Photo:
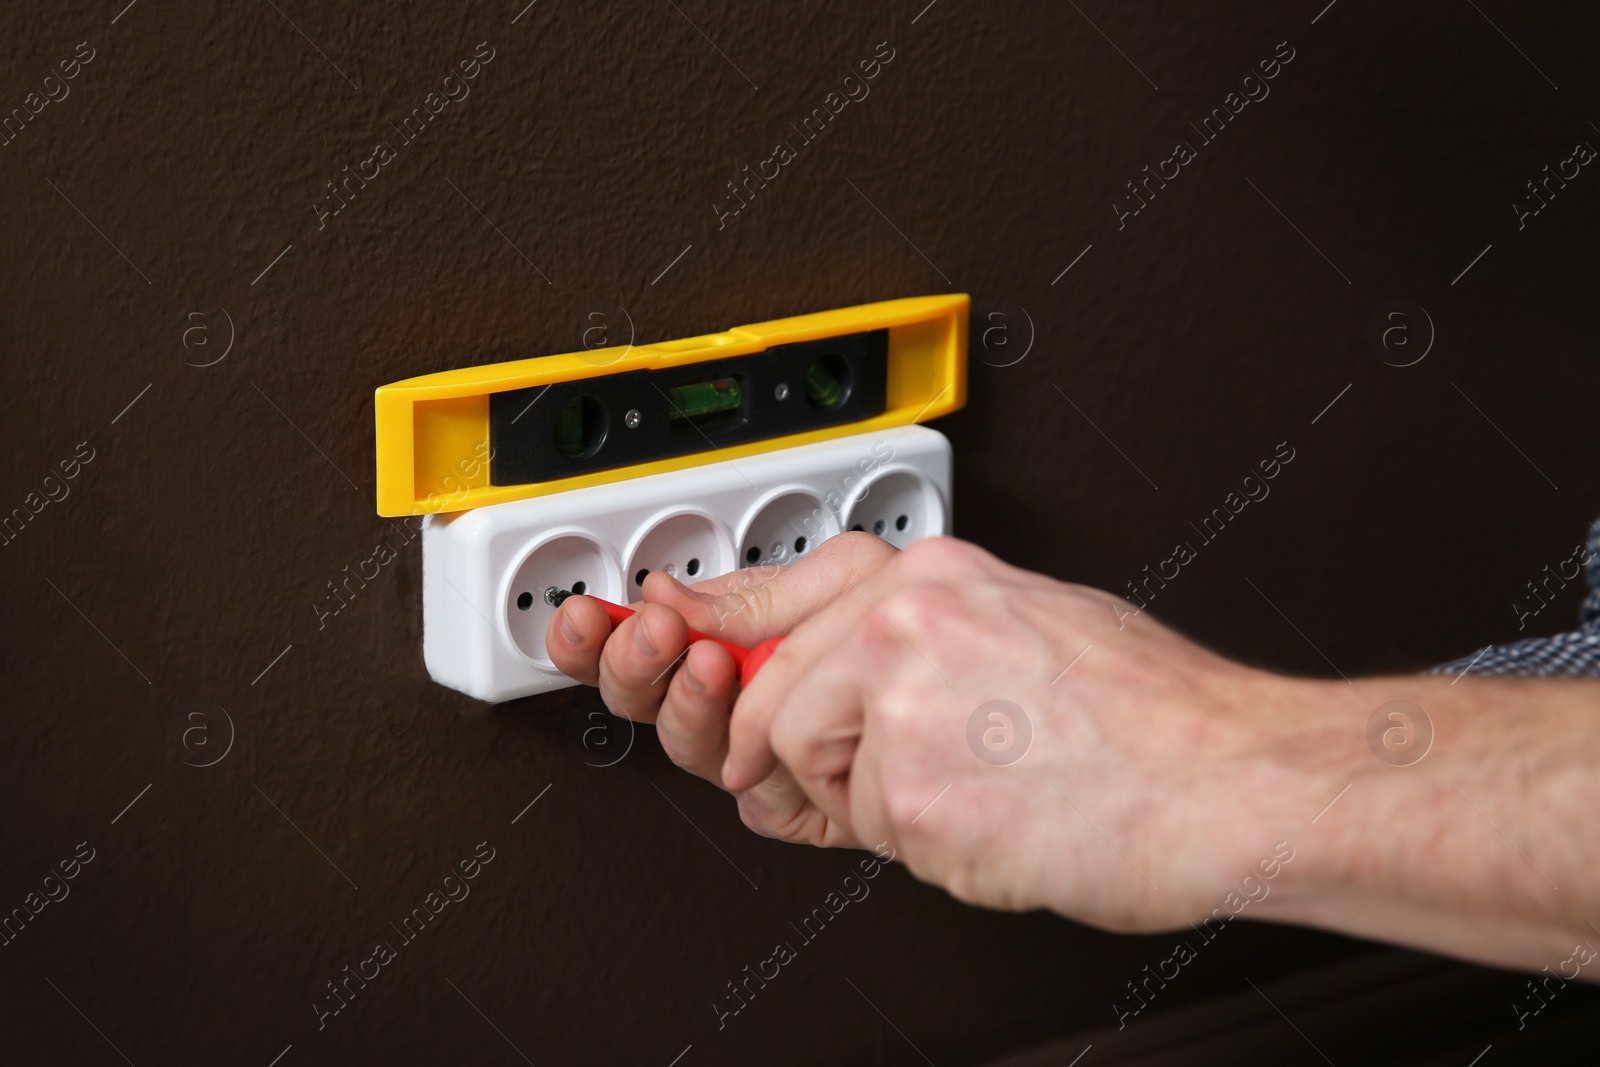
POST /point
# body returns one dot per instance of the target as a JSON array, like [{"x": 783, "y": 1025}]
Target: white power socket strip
[{"x": 485, "y": 571}]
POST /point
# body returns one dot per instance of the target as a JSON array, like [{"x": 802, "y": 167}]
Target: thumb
[{"x": 752, "y": 604}]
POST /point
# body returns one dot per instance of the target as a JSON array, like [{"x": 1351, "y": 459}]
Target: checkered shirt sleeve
[{"x": 1569, "y": 655}]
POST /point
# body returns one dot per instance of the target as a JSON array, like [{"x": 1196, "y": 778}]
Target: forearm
[{"x": 1485, "y": 847}]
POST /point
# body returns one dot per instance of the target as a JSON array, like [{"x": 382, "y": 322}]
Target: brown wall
[{"x": 195, "y": 545}]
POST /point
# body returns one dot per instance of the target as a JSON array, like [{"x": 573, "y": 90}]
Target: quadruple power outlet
[{"x": 485, "y": 572}]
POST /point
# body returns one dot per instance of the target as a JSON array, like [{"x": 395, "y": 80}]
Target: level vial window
[
  {"x": 700, "y": 400},
  {"x": 580, "y": 427},
  {"x": 827, "y": 382}
]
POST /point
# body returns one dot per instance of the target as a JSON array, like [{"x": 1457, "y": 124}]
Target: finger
[
  {"x": 869, "y": 815},
  {"x": 693, "y": 721},
  {"x": 637, "y": 659},
  {"x": 817, "y": 728},
  {"x": 937, "y": 560},
  {"x": 575, "y": 636},
  {"x": 755, "y": 603},
  {"x": 778, "y": 807},
  {"x": 750, "y": 756},
  {"x": 819, "y": 723}
]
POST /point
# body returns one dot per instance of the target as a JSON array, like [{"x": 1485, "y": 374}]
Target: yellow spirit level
[{"x": 465, "y": 438}]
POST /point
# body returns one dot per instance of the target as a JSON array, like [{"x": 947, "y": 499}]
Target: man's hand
[
  {"x": 857, "y": 730},
  {"x": 1153, "y": 783},
  {"x": 1144, "y": 767},
  {"x": 644, "y": 675}
]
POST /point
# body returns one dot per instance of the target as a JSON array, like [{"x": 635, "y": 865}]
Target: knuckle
[
  {"x": 626, "y": 703},
  {"x": 858, "y": 545},
  {"x": 788, "y": 744},
  {"x": 902, "y": 804},
  {"x": 676, "y": 741},
  {"x": 619, "y": 673},
  {"x": 621, "y": 707},
  {"x": 754, "y": 600},
  {"x": 961, "y": 882},
  {"x": 750, "y": 602},
  {"x": 941, "y": 556},
  {"x": 675, "y": 753},
  {"x": 757, "y": 817},
  {"x": 923, "y": 608},
  {"x": 799, "y": 749},
  {"x": 900, "y": 723},
  {"x": 876, "y": 636},
  {"x": 629, "y": 699},
  {"x": 898, "y": 709},
  {"x": 813, "y": 746}
]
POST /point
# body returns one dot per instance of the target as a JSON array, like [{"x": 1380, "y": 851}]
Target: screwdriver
[{"x": 748, "y": 660}]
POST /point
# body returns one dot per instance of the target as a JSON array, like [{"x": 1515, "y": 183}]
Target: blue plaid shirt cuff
[{"x": 1569, "y": 655}]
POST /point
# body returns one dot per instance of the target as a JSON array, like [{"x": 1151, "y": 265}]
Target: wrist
[
  {"x": 1272, "y": 752},
  {"x": 1307, "y": 750},
  {"x": 1422, "y": 812}
]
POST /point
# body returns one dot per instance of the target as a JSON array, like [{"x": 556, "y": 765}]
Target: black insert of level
[{"x": 543, "y": 433}]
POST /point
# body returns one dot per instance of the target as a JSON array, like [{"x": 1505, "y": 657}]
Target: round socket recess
[
  {"x": 689, "y": 545},
  {"x": 900, "y": 505},
  {"x": 565, "y": 560},
  {"x": 785, "y": 526}
]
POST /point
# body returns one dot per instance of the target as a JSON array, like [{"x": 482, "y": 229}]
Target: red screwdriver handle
[
  {"x": 758, "y": 656},
  {"x": 749, "y": 660}
]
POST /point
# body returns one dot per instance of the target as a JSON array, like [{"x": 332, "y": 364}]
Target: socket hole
[
  {"x": 552, "y": 567},
  {"x": 684, "y": 545},
  {"x": 898, "y": 506},
  {"x": 580, "y": 427},
  {"x": 857, "y": 526},
  {"x": 785, "y": 526}
]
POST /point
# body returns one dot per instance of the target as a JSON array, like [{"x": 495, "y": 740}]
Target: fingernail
[
  {"x": 691, "y": 680},
  {"x": 569, "y": 631},
  {"x": 641, "y": 638}
]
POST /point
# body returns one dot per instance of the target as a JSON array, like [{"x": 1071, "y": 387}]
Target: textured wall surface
[{"x": 194, "y": 334}]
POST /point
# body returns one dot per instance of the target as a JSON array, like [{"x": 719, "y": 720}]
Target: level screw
[
  {"x": 632, "y": 419},
  {"x": 782, "y": 391}
]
